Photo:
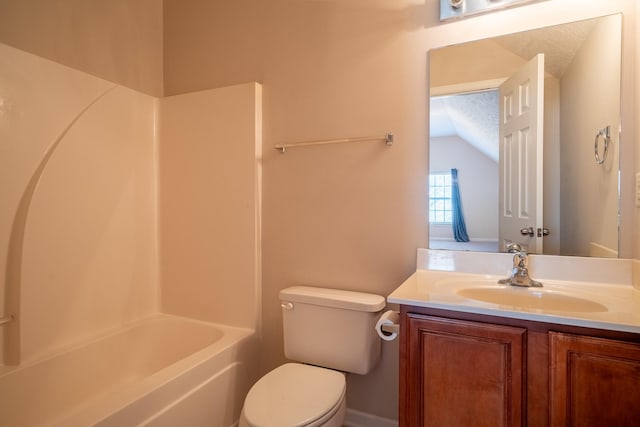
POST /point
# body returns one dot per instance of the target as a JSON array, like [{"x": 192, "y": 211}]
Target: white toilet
[{"x": 331, "y": 331}]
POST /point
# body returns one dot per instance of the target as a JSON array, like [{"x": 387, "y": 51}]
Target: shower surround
[{"x": 118, "y": 206}]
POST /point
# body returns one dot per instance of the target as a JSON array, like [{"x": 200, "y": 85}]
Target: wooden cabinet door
[
  {"x": 594, "y": 381},
  {"x": 462, "y": 373}
]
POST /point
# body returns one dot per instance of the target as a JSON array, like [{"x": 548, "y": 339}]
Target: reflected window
[{"x": 440, "y": 198}]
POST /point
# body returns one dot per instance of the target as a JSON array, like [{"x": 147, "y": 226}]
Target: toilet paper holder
[
  {"x": 391, "y": 329},
  {"x": 388, "y": 325}
]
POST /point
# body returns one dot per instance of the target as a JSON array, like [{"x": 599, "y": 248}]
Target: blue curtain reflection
[{"x": 459, "y": 227}]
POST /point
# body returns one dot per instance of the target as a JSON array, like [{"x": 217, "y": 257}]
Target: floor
[{"x": 464, "y": 246}]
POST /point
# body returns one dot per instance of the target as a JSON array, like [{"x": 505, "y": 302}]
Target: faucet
[{"x": 520, "y": 272}]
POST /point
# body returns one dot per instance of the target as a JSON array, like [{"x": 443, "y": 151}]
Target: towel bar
[
  {"x": 387, "y": 138},
  {"x": 605, "y": 133}
]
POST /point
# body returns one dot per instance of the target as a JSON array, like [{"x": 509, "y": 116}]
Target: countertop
[{"x": 601, "y": 305}]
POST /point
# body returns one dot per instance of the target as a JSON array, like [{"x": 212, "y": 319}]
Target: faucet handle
[{"x": 513, "y": 248}]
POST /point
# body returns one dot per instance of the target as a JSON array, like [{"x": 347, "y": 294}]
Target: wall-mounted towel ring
[{"x": 605, "y": 133}]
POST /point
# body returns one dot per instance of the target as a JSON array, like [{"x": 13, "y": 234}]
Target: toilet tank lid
[{"x": 337, "y": 298}]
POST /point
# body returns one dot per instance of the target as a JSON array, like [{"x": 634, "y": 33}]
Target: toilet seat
[{"x": 295, "y": 395}]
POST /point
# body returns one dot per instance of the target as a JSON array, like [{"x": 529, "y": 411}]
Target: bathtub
[{"x": 160, "y": 371}]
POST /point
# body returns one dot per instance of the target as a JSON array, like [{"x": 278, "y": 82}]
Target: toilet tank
[{"x": 331, "y": 328}]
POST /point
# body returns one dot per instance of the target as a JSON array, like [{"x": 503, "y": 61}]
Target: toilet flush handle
[{"x": 287, "y": 305}]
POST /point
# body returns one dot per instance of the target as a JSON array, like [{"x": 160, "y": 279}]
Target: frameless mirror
[{"x": 529, "y": 123}]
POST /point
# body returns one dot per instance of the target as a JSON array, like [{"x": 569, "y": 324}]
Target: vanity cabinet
[
  {"x": 461, "y": 369},
  {"x": 594, "y": 381},
  {"x": 465, "y": 373}
]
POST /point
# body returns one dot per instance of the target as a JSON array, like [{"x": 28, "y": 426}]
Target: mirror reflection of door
[
  {"x": 581, "y": 96},
  {"x": 520, "y": 158}
]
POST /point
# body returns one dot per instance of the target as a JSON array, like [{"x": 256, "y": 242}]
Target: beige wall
[
  {"x": 481, "y": 60},
  {"x": 551, "y": 165},
  {"x": 583, "y": 114},
  {"x": 635, "y": 43},
  {"x": 209, "y": 204},
  {"x": 117, "y": 40},
  {"x": 78, "y": 243},
  {"x": 346, "y": 216}
]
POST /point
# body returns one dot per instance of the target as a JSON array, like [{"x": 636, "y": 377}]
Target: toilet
[{"x": 330, "y": 332}]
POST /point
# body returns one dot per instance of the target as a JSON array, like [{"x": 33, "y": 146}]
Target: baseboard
[{"x": 362, "y": 419}]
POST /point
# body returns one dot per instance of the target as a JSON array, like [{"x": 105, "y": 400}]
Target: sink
[
  {"x": 530, "y": 298},
  {"x": 598, "y": 293}
]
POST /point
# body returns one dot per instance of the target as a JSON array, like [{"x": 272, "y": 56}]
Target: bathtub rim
[
  {"x": 104, "y": 405},
  {"x": 103, "y": 334}
]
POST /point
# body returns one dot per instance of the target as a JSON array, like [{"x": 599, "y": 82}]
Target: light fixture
[{"x": 451, "y": 9}]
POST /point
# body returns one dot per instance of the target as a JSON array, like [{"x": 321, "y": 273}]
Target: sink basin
[{"x": 531, "y": 298}]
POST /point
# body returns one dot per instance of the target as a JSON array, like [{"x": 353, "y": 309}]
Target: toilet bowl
[
  {"x": 296, "y": 395},
  {"x": 332, "y": 332}
]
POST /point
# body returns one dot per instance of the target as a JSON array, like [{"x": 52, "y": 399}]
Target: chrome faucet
[{"x": 520, "y": 272}]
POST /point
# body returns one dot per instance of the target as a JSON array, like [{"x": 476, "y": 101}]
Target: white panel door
[{"x": 520, "y": 160}]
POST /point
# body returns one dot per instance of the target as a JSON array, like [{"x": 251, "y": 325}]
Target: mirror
[{"x": 551, "y": 184}]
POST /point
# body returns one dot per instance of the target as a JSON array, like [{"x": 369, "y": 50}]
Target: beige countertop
[{"x": 594, "y": 304}]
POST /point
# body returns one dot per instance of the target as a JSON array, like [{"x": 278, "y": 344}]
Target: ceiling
[{"x": 471, "y": 116}]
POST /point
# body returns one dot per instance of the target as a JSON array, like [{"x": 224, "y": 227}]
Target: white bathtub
[{"x": 161, "y": 371}]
